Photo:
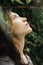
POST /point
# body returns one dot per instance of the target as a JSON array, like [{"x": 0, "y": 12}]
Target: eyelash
[{"x": 15, "y": 16}]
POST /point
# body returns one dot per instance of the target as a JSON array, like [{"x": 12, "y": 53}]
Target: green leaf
[
  {"x": 1, "y": 13},
  {"x": 27, "y": 49},
  {"x": 18, "y": 1},
  {"x": 12, "y": 1},
  {"x": 28, "y": 1}
]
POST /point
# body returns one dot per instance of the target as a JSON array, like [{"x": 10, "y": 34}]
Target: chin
[
  {"x": 26, "y": 31},
  {"x": 29, "y": 30}
]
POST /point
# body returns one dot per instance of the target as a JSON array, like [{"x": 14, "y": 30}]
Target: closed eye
[{"x": 15, "y": 16}]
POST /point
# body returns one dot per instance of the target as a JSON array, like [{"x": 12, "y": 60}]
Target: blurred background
[{"x": 33, "y": 10}]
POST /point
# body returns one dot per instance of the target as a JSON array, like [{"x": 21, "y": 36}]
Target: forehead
[{"x": 12, "y": 14}]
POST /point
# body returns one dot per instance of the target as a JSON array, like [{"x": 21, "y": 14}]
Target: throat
[
  {"x": 21, "y": 41},
  {"x": 18, "y": 42}
]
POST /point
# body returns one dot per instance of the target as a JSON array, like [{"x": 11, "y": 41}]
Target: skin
[{"x": 20, "y": 28}]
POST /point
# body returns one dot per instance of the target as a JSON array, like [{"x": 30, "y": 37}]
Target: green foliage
[
  {"x": 15, "y": 2},
  {"x": 3, "y": 24},
  {"x": 28, "y": 1},
  {"x": 18, "y": 1},
  {"x": 36, "y": 37}
]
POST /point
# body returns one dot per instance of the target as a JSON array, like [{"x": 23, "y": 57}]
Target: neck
[
  {"x": 18, "y": 41},
  {"x": 21, "y": 40},
  {"x": 19, "y": 44}
]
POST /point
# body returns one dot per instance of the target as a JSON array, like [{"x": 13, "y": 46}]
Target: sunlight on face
[{"x": 21, "y": 26}]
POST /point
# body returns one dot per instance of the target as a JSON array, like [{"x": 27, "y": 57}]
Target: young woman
[{"x": 12, "y": 39}]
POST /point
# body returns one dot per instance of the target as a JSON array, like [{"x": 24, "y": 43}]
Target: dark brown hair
[{"x": 3, "y": 45}]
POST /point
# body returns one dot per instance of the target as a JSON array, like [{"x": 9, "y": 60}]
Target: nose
[{"x": 24, "y": 19}]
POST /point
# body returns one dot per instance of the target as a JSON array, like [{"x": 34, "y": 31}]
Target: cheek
[
  {"x": 18, "y": 24},
  {"x": 18, "y": 27}
]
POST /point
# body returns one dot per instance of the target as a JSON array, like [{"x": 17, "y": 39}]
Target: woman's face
[{"x": 21, "y": 26}]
